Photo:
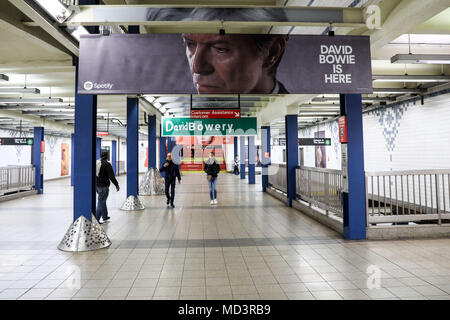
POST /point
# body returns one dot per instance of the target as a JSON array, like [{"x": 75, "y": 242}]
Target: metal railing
[
  {"x": 408, "y": 196},
  {"x": 277, "y": 177},
  {"x": 321, "y": 188},
  {"x": 16, "y": 178},
  {"x": 392, "y": 197}
]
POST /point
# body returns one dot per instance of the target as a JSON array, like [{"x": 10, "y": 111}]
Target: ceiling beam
[
  {"x": 136, "y": 15},
  {"x": 396, "y": 23},
  {"x": 37, "y": 14},
  {"x": 13, "y": 20}
]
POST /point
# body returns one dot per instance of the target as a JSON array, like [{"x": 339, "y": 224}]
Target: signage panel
[
  {"x": 7, "y": 141},
  {"x": 342, "y": 122},
  {"x": 279, "y": 142},
  {"x": 184, "y": 126},
  {"x": 314, "y": 141},
  {"x": 215, "y": 113}
]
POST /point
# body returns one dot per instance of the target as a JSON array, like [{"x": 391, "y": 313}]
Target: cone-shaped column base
[
  {"x": 84, "y": 235},
  {"x": 152, "y": 183},
  {"x": 132, "y": 203}
]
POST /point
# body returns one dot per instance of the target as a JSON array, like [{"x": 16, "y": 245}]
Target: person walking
[
  {"x": 171, "y": 173},
  {"x": 236, "y": 165},
  {"x": 104, "y": 174},
  {"x": 212, "y": 169}
]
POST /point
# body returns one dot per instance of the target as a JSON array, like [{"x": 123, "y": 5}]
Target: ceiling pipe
[{"x": 37, "y": 121}]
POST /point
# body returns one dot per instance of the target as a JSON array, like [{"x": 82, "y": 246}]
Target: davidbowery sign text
[{"x": 184, "y": 126}]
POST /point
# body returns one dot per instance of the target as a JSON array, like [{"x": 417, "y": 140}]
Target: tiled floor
[{"x": 250, "y": 246}]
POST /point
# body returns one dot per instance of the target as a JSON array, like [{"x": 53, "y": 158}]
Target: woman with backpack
[{"x": 212, "y": 169}]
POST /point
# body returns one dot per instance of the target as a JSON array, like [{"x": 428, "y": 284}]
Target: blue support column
[
  {"x": 162, "y": 150},
  {"x": 114, "y": 156},
  {"x": 84, "y": 154},
  {"x": 354, "y": 199},
  {"x": 171, "y": 142},
  {"x": 251, "y": 159},
  {"x": 291, "y": 123},
  {"x": 151, "y": 141},
  {"x": 132, "y": 146},
  {"x": 72, "y": 158},
  {"x": 265, "y": 150},
  {"x": 38, "y": 159},
  {"x": 242, "y": 155},
  {"x": 98, "y": 148}
]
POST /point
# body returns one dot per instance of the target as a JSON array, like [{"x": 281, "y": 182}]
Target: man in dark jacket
[
  {"x": 104, "y": 174},
  {"x": 171, "y": 173}
]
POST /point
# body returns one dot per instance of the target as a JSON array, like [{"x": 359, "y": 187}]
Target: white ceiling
[{"x": 27, "y": 51}]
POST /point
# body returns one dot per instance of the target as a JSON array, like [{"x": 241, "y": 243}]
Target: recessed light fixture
[
  {"x": 410, "y": 78},
  {"x": 421, "y": 58},
  {"x": 30, "y": 101},
  {"x": 19, "y": 90},
  {"x": 395, "y": 90}
]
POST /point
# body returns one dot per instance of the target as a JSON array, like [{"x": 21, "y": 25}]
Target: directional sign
[
  {"x": 184, "y": 126},
  {"x": 215, "y": 113},
  {"x": 314, "y": 142},
  {"x": 8, "y": 141}
]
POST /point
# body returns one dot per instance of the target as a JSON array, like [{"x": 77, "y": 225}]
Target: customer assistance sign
[{"x": 184, "y": 126}]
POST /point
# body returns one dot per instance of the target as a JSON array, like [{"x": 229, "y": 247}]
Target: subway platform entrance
[{"x": 249, "y": 246}]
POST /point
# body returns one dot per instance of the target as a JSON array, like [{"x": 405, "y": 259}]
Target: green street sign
[{"x": 185, "y": 126}]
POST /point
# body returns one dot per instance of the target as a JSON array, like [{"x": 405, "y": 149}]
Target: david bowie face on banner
[{"x": 236, "y": 63}]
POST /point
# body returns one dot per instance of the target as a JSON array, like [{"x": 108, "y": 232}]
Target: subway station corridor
[{"x": 249, "y": 246}]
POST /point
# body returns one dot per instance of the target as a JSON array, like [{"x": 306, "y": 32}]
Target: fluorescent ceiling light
[
  {"x": 314, "y": 117},
  {"x": 19, "y": 90},
  {"x": 410, "y": 78},
  {"x": 157, "y": 105},
  {"x": 395, "y": 90},
  {"x": 4, "y": 77},
  {"x": 56, "y": 9},
  {"x": 326, "y": 114},
  {"x": 51, "y": 106},
  {"x": 33, "y": 100},
  {"x": 421, "y": 58},
  {"x": 364, "y": 99},
  {"x": 319, "y": 106}
]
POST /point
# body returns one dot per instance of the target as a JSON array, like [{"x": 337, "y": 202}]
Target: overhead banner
[
  {"x": 184, "y": 126},
  {"x": 224, "y": 64}
]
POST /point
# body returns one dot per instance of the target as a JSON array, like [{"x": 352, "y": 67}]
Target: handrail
[
  {"x": 320, "y": 187},
  {"x": 334, "y": 171},
  {"x": 16, "y": 178},
  {"x": 407, "y": 172}
]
